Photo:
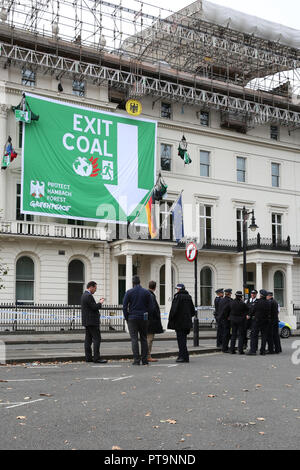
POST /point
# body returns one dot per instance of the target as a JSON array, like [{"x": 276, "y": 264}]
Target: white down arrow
[{"x": 127, "y": 192}]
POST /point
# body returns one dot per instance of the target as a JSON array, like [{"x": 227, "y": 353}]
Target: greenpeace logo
[{"x": 50, "y": 205}]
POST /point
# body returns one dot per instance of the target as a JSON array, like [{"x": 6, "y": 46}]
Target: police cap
[
  {"x": 263, "y": 293},
  {"x": 220, "y": 291}
]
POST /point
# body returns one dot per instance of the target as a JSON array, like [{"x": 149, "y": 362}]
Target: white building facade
[{"x": 50, "y": 260}]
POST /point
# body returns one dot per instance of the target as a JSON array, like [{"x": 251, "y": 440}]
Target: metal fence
[
  {"x": 55, "y": 318},
  {"x": 296, "y": 310},
  {"x": 206, "y": 317}
]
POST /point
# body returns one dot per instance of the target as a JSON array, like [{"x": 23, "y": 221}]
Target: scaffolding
[{"x": 148, "y": 50}]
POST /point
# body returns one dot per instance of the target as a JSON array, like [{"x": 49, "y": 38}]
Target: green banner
[{"x": 81, "y": 163}]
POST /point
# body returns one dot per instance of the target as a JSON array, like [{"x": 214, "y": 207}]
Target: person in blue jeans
[
  {"x": 180, "y": 320},
  {"x": 137, "y": 305}
]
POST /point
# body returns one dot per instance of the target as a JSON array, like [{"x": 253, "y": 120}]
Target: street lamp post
[{"x": 252, "y": 227}]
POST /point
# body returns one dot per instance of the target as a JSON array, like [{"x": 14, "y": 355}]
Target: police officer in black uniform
[
  {"x": 223, "y": 318},
  {"x": 262, "y": 315},
  {"x": 219, "y": 297},
  {"x": 238, "y": 312},
  {"x": 273, "y": 339},
  {"x": 250, "y": 318}
]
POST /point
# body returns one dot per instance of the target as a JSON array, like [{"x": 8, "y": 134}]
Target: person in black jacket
[
  {"x": 262, "y": 315},
  {"x": 238, "y": 312},
  {"x": 223, "y": 318},
  {"x": 154, "y": 321},
  {"x": 180, "y": 320},
  {"x": 273, "y": 340},
  {"x": 137, "y": 305},
  {"x": 219, "y": 297},
  {"x": 250, "y": 317},
  {"x": 91, "y": 321}
]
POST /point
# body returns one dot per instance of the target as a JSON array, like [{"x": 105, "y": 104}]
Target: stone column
[
  {"x": 128, "y": 272},
  {"x": 168, "y": 281},
  {"x": 258, "y": 285},
  {"x": 3, "y": 173}
]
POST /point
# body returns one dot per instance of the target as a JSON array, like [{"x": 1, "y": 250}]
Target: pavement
[{"x": 20, "y": 347}]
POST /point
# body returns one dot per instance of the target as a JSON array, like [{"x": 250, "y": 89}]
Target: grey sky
[{"x": 286, "y": 13}]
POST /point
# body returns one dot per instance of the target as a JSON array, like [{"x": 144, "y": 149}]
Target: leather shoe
[
  {"x": 151, "y": 359},
  {"x": 136, "y": 363},
  {"x": 100, "y": 361},
  {"x": 180, "y": 359}
]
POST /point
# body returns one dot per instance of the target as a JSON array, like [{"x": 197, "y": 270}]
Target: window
[
  {"x": 122, "y": 280},
  {"x": 274, "y": 132},
  {"x": 206, "y": 287},
  {"x": 75, "y": 282},
  {"x": 276, "y": 228},
  {"x": 205, "y": 224},
  {"x": 165, "y": 221},
  {"x": 28, "y": 77},
  {"x": 166, "y": 110},
  {"x": 204, "y": 118},
  {"x": 275, "y": 175},
  {"x": 19, "y": 216},
  {"x": 25, "y": 281},
  {"x": 78, "y": 88},
  {"x": 239, "y": 226},
  {"x": 241, "y": 169},
  {"x": 162, "y": 284},
  {"x": 279, "y": 288},
  {"x": 204, "y": 163},
  {"x": 165, "y": 157}
]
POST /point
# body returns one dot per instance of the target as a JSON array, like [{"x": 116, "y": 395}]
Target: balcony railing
[{"x": 36, "y": 229}]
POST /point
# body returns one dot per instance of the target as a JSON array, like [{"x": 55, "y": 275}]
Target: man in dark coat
[
  {"x": 273, "y": 339},
  {"x": 137, "y": 305},
  {"x": 154, "y": 321},
  {"x": 180, "y": 320},
  {"x": 219, "y": 297},
  {"x": 223, "y": 318},
  {"x": 91, "y": 321},
  {"x": 262, "y": 315},
  {"x": 250, "y": 317},
  {"x": 238, "y": 312}
]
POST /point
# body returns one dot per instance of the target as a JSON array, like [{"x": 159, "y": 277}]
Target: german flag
[{"x": 150, "y": 211}]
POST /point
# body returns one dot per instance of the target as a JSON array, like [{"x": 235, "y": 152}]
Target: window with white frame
[
  {"x": 279, "y": 288},
  {"x": 241, "y": 169},
  {"x": 274, "y": 132},
  {"x": 19, "y": 215},
  {"x": 25, "y": 280},
  {"x": 206, "y": 287},
  {"x": 28, "y": 77},
  {"x": 205, "y": 221},
  {"x": 78, "y": 87},
  {"x": 204, "y": 118},
  {"x": 275, "y": 174},
  {"x": 166, "y": 157},
  {"x": 165, "y": 221},
  {"x": 166, "y": 110},
  {"x": 239, "y": 226},
  {"x": 276, "y": 228},
  {"x": 204, "y": 163}
]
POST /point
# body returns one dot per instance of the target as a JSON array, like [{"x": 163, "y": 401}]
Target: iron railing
[{"x": 55, "y": 318}]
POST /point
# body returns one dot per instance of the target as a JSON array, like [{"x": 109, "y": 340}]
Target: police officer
[
  {"x": 219, "y": 297},
  {"x": 238, "y": 312},
  {"x": 250, "y": 317},
  {"x": 262, "y": 315},
  {"x": 273, "y": 339},
  {"x": 223, "y": 315}
]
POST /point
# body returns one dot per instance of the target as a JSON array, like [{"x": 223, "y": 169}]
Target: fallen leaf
[
  {"x": 156, "y": 427},
  {"x": 211, "y": 396},
  {"x": 45, "y": 395},
  {"x": 260, "y": 419},
  {"x": 116, "y": 448},
  {"x": 243, "y": 402},
  {"x": 252, "y": 424},
  {"x": 148, "y": 414},
  {"x": 3, "y": 380},
  {"x": 258, "y": 385},
  {"x": 21, "y": 417},
  {"x": 171, "y": 421},
  {"x": 261, "y": 432}
]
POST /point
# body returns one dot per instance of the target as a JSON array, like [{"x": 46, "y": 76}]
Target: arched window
[
  {"x": 279, "y": 288},
  {"x": 25, "y": 280},
  {"x": 206, "y": 287},
  {"x": 75, "y": 282},
  {"x": 162, "y": 284}
]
